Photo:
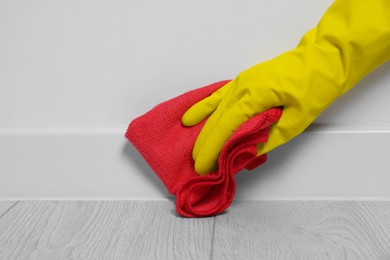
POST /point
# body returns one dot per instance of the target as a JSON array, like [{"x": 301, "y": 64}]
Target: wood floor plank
[
  {"x": 102, "y": 230},
  {"x": 5, "y": 205},
  {"x": 303, "y": 230}
]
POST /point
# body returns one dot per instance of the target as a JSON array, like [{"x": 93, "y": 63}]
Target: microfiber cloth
[{"x": 166, "y": 145}]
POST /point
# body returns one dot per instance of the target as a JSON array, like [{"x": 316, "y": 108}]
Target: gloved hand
[{"x": 351, "y": 39}]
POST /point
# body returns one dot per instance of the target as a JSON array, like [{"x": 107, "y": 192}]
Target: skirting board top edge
[{"x": 120, "y": 130}]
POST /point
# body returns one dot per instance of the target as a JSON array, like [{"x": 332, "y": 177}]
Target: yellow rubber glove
[{"x": 351, "y": 39}]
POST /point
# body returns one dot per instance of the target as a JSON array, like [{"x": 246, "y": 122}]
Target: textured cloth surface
[{"x": 166, "y": 145}]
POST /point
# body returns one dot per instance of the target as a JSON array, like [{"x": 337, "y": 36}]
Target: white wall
[{"x": 73, "y": 73}]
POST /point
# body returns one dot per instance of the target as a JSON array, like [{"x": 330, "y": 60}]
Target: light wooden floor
[{"x": 152, "y": 230}]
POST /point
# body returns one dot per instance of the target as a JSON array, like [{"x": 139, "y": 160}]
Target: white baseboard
[{"x": 325, "y": 162}]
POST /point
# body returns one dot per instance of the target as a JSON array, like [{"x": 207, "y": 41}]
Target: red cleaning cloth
[{"x": 167, "y": 145}]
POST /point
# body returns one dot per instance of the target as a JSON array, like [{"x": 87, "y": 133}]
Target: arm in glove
[{"x": 351, "y": 39}]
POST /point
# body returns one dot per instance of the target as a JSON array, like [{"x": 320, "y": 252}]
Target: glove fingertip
[
  {"x": 187, "y": 119},
  {"x": 195, "y": 114},
  {"x": 203, "y": 169}
]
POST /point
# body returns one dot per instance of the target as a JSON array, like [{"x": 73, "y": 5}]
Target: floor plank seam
[
  {"x": 13, "y": 205},
  {"x": 212, "y": 238}
]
